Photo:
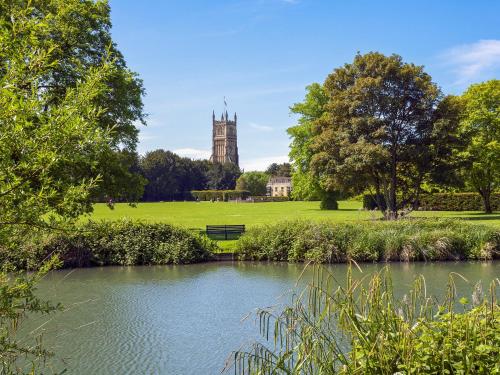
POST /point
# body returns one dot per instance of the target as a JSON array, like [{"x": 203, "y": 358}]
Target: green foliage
[
  {"x": 360, "y": 327},
  {"x": 377, "y": 132},
  {"x": 279, "y": 170},
  {"x": 329, "y": 201},
  {"x": 106, "y": 243},
  {"x": 457, "y": 202},
  {"x": 480, "y": 128},
  {"x": 171, "y": 177},
  {"x": 18, "y": 300},
  {"x": 442, "y": 202},
  {"x": 265, "y": 198},
  {"x": 221, "y": 195},
  {"x": 306, "y": 185},
  {"x": 60, "y": 41},
  {"x": 402, "y": 240},
  {"x": 222, "y": 176},
  {"x": 254, "y": 182},
  {"x": 44, "y": 141}
]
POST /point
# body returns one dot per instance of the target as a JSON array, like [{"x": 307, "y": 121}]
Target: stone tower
[{"x": 224, "y": 140}]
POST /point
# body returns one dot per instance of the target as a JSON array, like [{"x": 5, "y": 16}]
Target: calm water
[{"x": 184, "y": 319}]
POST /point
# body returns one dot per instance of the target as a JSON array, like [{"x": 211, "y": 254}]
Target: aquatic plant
[{"x": 361, "y": 327}]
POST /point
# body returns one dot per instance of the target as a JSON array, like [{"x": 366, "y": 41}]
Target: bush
[
  {"x": 443, "y": 202},
  {"x": 403, "y": 240},
  {"x": 329, "y": 202},
  {"x": 360, "y": 327},
  {"x": 114, "y": 243},
  {"x": 221, "y": 195},
  {"x": 456, "y": 202},
  {"x": 265, "y": 198}
]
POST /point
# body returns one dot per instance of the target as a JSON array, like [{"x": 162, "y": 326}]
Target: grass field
[{"x": 199, "y": 214}]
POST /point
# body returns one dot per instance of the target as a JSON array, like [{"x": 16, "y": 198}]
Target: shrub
[
  {"x": 360, "y": 327},
  {"x": 114, "y": 243},
  {"x": 443, "y": 202},
  {"x": 222, "y": 195},
  {"x": 329, "y": 202},
  {"x": 264, "y": 198},
  {"x": 403, "y": 240},
  {"x": 456, "y": 202}
]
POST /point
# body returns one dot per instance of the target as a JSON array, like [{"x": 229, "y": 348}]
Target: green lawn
[{"x": 199, "y": 214}]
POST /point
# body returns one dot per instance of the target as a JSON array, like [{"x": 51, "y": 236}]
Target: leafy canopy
[
  {"x": 480, "y": 130},
  {"x": 378, "y": 129},
  {"x": 76, "y": 37}
]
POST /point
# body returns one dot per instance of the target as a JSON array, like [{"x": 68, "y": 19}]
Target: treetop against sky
[{"x": 260, "y": 55}]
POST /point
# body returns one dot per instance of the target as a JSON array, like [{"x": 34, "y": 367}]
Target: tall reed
[{"x": 360, "y": 327}]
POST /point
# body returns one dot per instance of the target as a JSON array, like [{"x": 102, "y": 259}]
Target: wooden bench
[{"x": 225, "y": 230}]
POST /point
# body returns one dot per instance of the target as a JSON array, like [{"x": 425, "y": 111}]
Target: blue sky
[{"x": 260, "y": 55}]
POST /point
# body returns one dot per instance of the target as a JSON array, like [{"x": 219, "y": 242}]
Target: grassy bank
[
  {"x": 127, "y": 242},
  {"x": 371, "y": 241},
  {"x": 107, "y": 243},
  {"x": 199, "y": 214}
]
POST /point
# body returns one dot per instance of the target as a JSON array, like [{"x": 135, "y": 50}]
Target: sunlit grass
[{"x": 199, "y": 214}]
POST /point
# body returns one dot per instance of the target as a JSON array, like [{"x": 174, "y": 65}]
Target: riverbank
[{"x": 128, "y": 243}]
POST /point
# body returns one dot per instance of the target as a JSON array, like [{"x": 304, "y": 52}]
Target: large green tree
[
  {"x": 222, "y": 176},
  {"x": 78, "y": 35},
  {"x": 41, "y": 141},
  {"x": 480, "y": 129},
  {"x": 254, "y": 182},
  {"x": 306, "y": 185},
  {"x": 279, "y": 170},
  {"x": 378, "y": 129}
]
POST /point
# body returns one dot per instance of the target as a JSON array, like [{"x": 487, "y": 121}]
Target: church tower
[{"x": 224, "y": 140}]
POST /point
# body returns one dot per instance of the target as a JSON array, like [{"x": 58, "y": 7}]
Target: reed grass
[
  {"x": 360, "y": 327},
  {"x": 370, "y": 241}
]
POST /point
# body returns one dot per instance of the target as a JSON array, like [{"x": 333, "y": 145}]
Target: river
[{"x": 186, "y": 319}]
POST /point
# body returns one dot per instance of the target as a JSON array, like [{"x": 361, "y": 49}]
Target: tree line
[
  {"x": 381, "y": 126},
  {"x": 167, "y": 176}
]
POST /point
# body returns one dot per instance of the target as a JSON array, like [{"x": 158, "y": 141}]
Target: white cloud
[
  {"x": 193, "y": 153},
  {"x": 260, "y": 127},
  {"x": 261, "y": 164},
  {"x": 472, "y": 61}
]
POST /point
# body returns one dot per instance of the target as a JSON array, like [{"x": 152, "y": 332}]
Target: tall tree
[
  {"x": 480, "y": 127},
  {"x": 162, "y": 171},
  {"x": 254, "y": 182},
  {"x": 378, "y": 129},
  {"x": 38, "y": 138},
  {"x": 78, "y": 35},
  {"x": 306, "y": 185},
  {"x": 223, "y": 176},
  {"x": 279, "y": 170}
]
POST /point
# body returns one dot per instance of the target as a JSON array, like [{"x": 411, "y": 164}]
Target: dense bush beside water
[
  {"x": 361, "y": 327},
  {"x": 443, "y": 202},
  {"x": 114, "y": 243},
  {"x": 403, "y": 240}
]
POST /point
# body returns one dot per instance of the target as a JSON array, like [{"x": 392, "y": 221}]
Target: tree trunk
[
  {"x": 392, "y": 206},
  {"x": 486, "y": 195}
]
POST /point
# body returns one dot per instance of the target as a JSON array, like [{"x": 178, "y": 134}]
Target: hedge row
[
  {"x": 222, "y": 195},
  {"x": 106, "y": 243},
  {"x": 403, "y": 240},
  {"x": 457, "y": 202},
  {"x": 264, "y": 198},
  {"x": 443, "y": 202}
]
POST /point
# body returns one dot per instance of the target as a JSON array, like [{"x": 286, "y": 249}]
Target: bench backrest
[{"x": 225, "y": 230}]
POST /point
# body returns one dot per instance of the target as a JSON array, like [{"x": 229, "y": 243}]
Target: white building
[{"x": 279, "y": 186}]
